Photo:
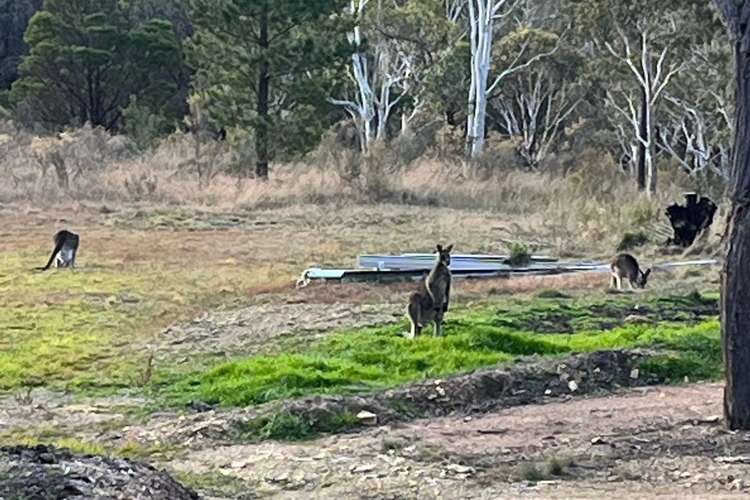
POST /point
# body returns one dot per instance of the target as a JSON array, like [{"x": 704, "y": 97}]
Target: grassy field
[
  {"x": 684, "y": 326},
  {"x": 87, "y": 329},
  {"x": 92, "y": 331}
]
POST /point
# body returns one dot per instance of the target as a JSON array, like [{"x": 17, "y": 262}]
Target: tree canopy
[{"x": 87, "y": 59}]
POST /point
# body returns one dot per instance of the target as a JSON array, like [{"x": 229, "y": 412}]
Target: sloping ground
[
  {"x": 532, "y": 381},
  {"x": 45, "y": 473},
  {"x": 260, "y": 327},
  {"x": 652, "y": 441}
]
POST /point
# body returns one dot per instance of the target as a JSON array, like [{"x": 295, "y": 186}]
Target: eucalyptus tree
[
  {"x": 534, "y": 104},
  {"x": 488, "y": 20},
  {"x": 397, "y": 46},
  {"x": 641, "y": 47}
]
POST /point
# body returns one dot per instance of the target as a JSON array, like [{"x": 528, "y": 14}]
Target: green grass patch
[
  {"x": 373, "y": 358},
  {"x": 217, "y": 485},
  {"x": 85, "y": 330},
  {"x": 286, "y": 426}
]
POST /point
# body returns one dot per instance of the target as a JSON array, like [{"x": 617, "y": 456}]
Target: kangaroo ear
[
  {"x": 450, "y": 248},
  {"x": 648, "y": 271},
  {"x": 439, "y": 248}
]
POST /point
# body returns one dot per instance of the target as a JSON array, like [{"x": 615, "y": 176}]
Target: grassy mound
[{"x": 685, "y": 327}]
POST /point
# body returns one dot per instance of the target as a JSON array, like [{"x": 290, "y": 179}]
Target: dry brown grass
[{"x": 582, "y": 213}]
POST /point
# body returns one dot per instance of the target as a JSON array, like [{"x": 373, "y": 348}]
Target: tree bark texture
[
  {"x": 261, "y": 132},
  {"x": 642, "y": 148},
  {"x": 735, "y": 282}
]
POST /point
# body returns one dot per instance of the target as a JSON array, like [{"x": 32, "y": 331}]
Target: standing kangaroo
[
  {"x": 625, "y": 266},
  {"x": 430, "y": 301}
]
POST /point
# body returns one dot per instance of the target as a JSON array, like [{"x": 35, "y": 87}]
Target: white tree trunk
[
  {"x": 539, "y": 109},
  {"x": 482, "y": 17},
  {"x": 652, "y": 78},
  {"x": 372, "y": 106}
]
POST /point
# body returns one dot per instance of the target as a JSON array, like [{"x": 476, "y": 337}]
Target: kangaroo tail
[{"x": 58, "y": 247}]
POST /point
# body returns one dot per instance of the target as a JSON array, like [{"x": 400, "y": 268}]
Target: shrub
[
  {"x": 632, "y": 240},
  {"x": 519, "y": 255}
]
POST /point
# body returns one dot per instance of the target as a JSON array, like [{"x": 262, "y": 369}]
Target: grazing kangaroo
[
  {"x": 430, "y": 301},
  {"x": 625, "y": 266},
  {"x": 64, "y": 253}
]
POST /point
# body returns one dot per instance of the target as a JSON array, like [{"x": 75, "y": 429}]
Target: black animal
[
  {"x": 690, "y": 220},
  {"x": 64, "y": 253}
]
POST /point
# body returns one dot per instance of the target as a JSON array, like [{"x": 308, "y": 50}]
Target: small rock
[
  {"x": 548, "y": 392},
  {"x": 635, "y": 373},
  {"x": 598, "y": 440},
  {"x": 280, "y": 478},
  {"x": 573, "y": 386},
  {"x": 440, "y": 391},
  {"x": 460, "y": 469},
  {"x": 367, "y": 418},
  {"x": 363, "y": 468},
  {"x": 713, "y": 419}
]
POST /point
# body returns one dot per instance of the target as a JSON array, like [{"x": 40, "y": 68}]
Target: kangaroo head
[
  {"x": 444, "y": 254},
  {"x": 643, "y": 278}
]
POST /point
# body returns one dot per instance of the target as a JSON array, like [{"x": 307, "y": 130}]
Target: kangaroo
[
  {"x": 625, "y": 266},
  {"x": 430, "y": 301},
  {"x": 64, "y": 253}
]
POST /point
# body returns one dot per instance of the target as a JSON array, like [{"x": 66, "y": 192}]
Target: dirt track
[{"x": 659, "y": 440}]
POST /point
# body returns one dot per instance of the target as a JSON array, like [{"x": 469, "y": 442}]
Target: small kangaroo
[
  {"x": 64, "y": 253},
  {"x": 625, "y": 266},
  {"x": 430, "y": 301}
]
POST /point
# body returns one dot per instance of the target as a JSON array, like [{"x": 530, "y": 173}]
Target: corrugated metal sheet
[
  {"x": 387, "y": 268},
  {"x": 426, "y": 261}
]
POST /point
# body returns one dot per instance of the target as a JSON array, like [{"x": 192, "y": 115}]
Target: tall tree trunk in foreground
[{"x": 735, "y": 282}]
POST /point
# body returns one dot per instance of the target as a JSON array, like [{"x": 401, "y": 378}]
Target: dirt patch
[
  {"x": 259, "y": 328},
  {"x": 45, "y": 473},
  {"x": 645, "y": 442},
  {"x": 531, "y": 381},
  {"x": 64, "y": 414},
  {"x": 573, "y": 317}
]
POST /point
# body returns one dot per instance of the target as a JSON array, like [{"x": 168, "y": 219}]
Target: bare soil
[
  {"x": 645, "y": 442},
  {"x": 260, "y": 328}
]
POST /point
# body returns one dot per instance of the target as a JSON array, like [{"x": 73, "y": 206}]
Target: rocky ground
[
  {"x": 46, "y": 473},
  {"x": 577, "y": 427},
  {"x": 640, "y": 443}
]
